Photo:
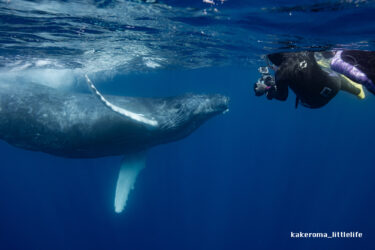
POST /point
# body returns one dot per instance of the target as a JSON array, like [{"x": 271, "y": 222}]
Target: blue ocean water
[{"x": 244, "y": 180}]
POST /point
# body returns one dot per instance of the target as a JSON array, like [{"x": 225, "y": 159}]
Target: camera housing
[
  {"x": 263, "y": 70},
  {"x": 265, "y": 82},
  {"x": 268, "y": 80}
]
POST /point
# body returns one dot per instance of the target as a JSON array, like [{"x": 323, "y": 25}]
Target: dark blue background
[{"x": 244, "y": 180}]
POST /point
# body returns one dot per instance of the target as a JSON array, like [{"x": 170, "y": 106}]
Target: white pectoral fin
[
  {"x": 119, "y": 110},
  {"x": 130, "y": 167}
]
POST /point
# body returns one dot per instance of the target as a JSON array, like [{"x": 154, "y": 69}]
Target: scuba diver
[{"x": 316, "y": 77}]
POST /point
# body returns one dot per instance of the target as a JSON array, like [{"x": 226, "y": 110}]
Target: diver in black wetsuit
[{"x": 313, "y": 84}]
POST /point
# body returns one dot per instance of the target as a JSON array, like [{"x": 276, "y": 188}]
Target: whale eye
[{"x": 177, "y": 106}]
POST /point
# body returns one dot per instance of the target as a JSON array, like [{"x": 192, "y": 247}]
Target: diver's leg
[{"x": 350, "y": 88}]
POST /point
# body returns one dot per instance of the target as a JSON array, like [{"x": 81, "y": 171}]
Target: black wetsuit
[{"x": 313, "y": 86}]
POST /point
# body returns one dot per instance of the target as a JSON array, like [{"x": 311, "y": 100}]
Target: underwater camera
[
  {"x": 263, "y": 70},
  {"x": 264, "y": 83}
]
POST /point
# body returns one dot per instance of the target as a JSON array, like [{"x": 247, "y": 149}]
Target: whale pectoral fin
[
  {"x": 131, "y": 165},
  {"x": 121, "y": 111}
]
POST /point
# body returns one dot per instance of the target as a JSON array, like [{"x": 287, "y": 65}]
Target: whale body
[{"x": 79, "y": 125}]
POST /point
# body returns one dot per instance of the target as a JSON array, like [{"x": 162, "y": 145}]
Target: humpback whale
[{"x": 78, "y": 125}]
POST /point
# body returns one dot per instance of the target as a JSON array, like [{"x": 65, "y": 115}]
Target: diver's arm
[
  {"x": 279, "y": 91},
  {"x": 281, "y": 85}
]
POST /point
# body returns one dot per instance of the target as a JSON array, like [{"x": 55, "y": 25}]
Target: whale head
[
  {"x": 184, "y": 114},
  {"x": 203, "y": 107}
]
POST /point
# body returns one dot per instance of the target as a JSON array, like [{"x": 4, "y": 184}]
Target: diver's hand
[
  {"x": 271, "y": 92},
  {"x": 260, "y": 88}
]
